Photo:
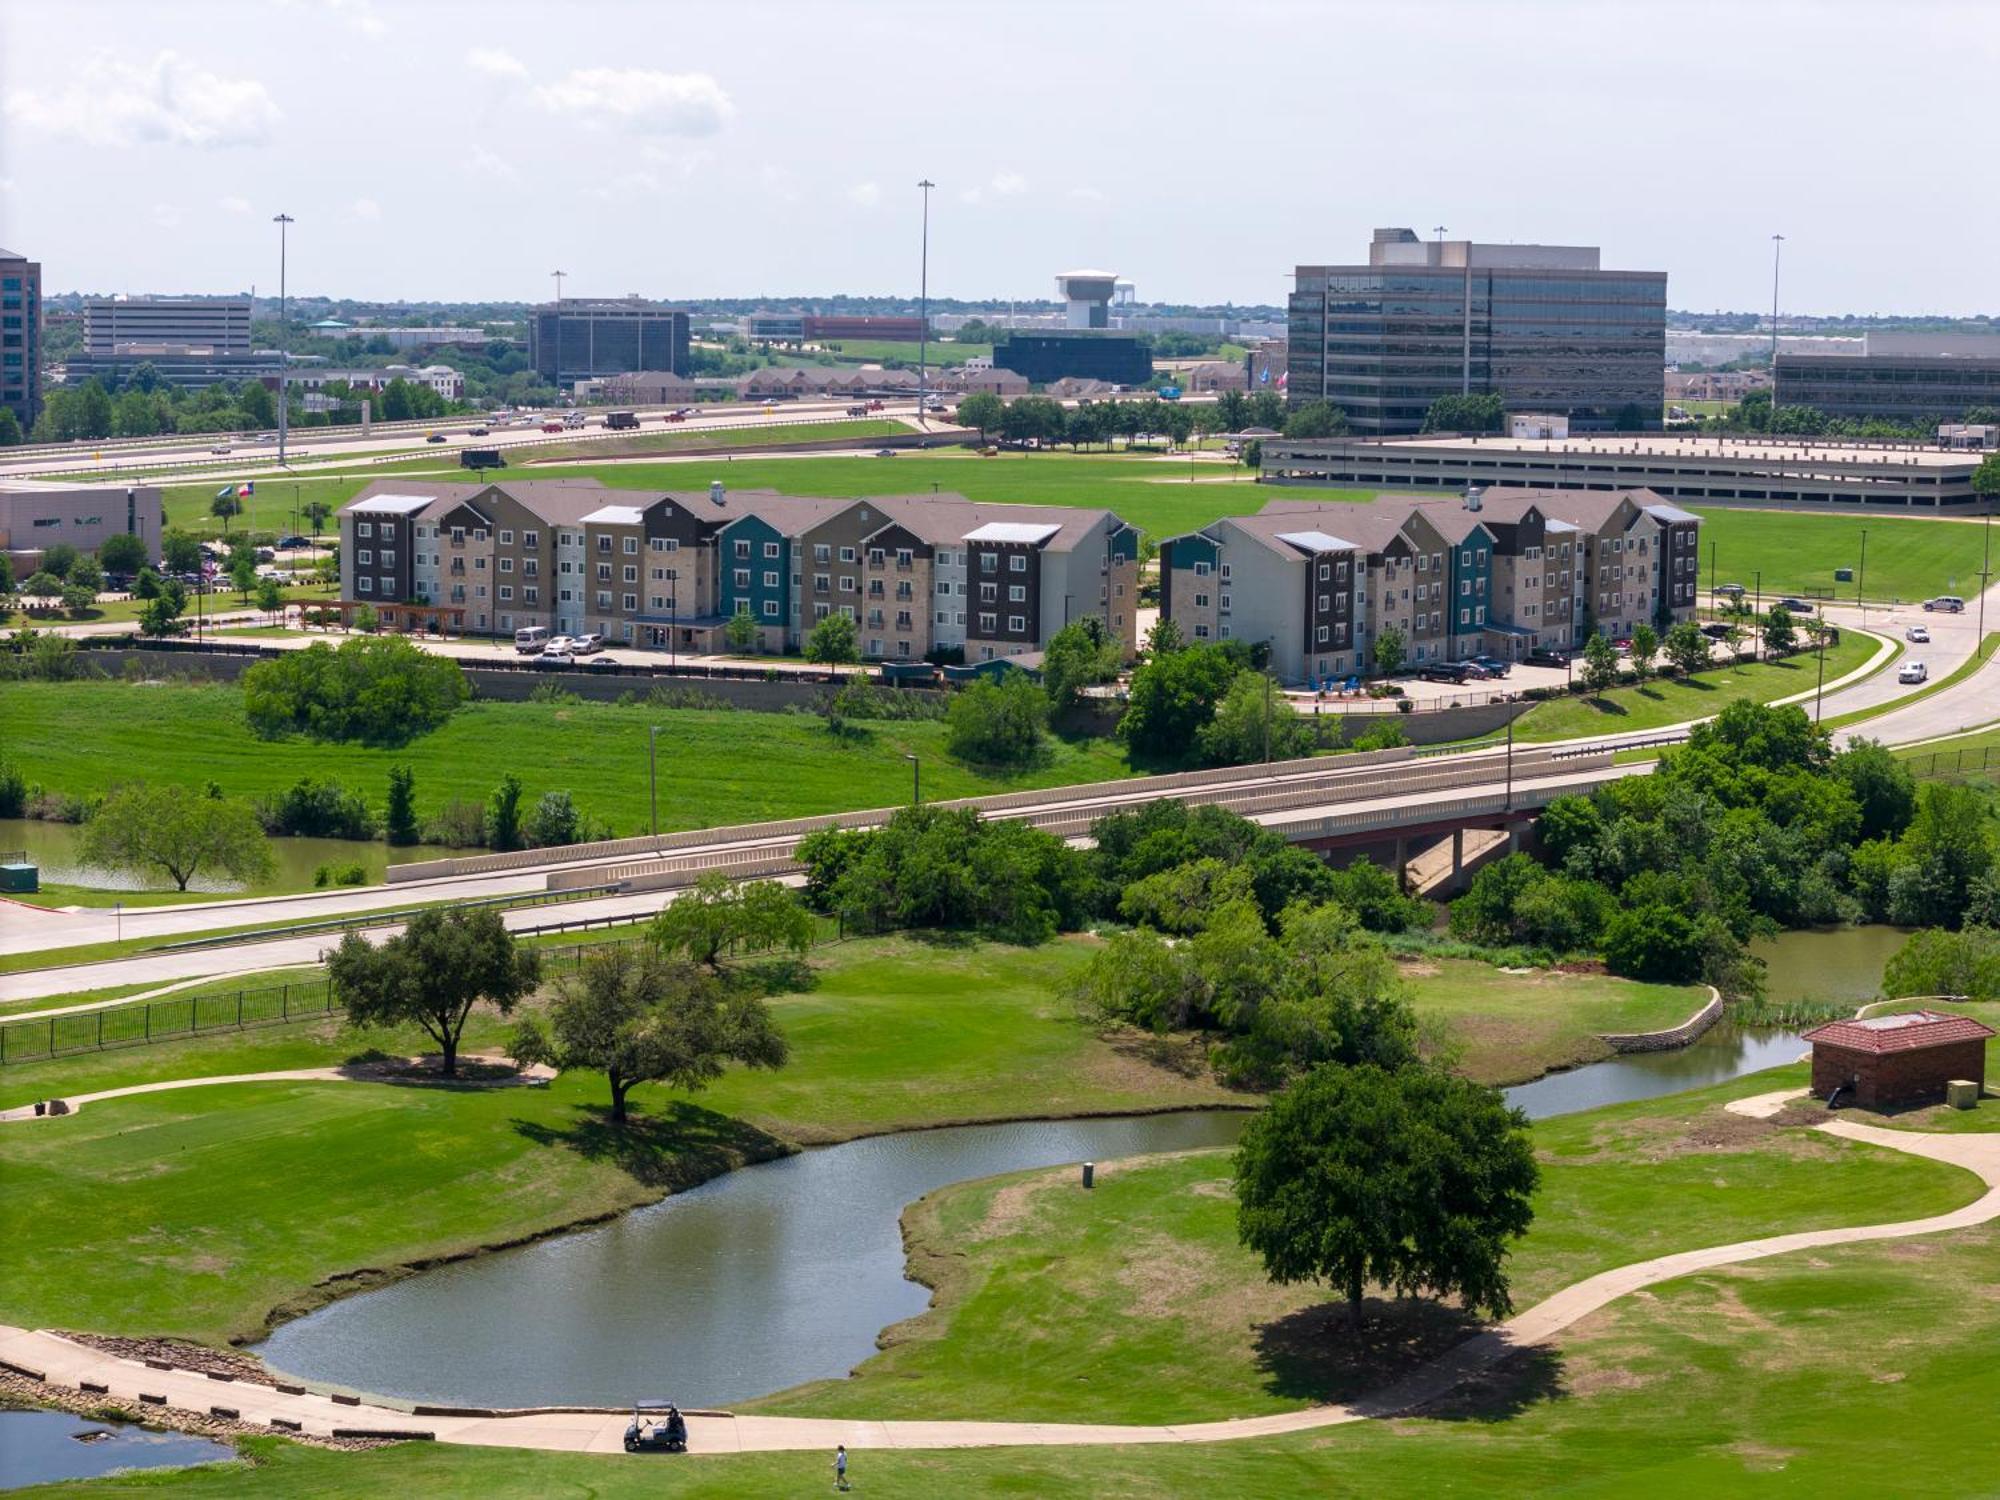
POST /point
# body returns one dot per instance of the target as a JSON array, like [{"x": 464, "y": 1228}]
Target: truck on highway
[
  {"x": 621, "y": 421},
  {"x": 858, "y": 411}
]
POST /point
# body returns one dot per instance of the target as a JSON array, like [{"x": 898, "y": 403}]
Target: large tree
[
  {"x": 1413, "y": 1179},
  {"x": 432, "y": 974},
  {"x": 179, "y": 831},
  {"x": 981, "y": 409},
  {"x": 832, "y": 641},
  {"x": 1173, "y": 696},
  {"x": 639, "y": 1016},
  {"x": 1082, "y": 654},
  {"x": 719, "y": 915}
]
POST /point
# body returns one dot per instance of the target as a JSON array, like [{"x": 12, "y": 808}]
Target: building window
[
  {"x": 506, "y": 564},
  {"x": 365, "y": 585},
  {"x": 742, "y": 576},
  {"x": 742, "y": 548},
  {"x": 604, "y": 598},
  {"x": 506, "y": 538},
  {"x": 531, "y": 539},
  {"x": 531, "y": 595},
  {"x": 1018, "y": 563},
  {"x": 1017, "y": 594},
  {"x": 1017, "y": 623},
  {"x": 506, "y": 592},
  {"x": 770, "y": 549},
  {"x": 770, "y": 580},
  {"x": 631, "y": 545},
  {"x": 1201, "y": 632},
  {"x": 1201, "y": 601},
  {"x": 847, "y": 583},
  {"x": 987, "y": 623},
  {"x": 364, "y": 556},
  {"x": 847, "y": 554},
  {"x": 822, "y": 552},
  {"x": 1201, "y": 570},
  {"x": 631, "y": 603}
]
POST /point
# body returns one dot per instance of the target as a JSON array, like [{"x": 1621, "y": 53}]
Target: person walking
[{"x": 840, "y": 1466}]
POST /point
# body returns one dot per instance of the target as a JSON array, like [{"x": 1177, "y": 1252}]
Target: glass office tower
[
  {"x": 1540, "y": 325},
  {"x": 578, "y": 338}
]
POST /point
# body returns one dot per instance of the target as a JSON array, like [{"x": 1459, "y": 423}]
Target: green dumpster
[{"x": 19, "y": 880}]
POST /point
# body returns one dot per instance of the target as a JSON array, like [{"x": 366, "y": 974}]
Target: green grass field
[
  {"x": 1909, "y": 558},
  {"x": 716, "y": 766},
  {"x": 1661, "y": 702},
  {"x": 1135, "y": 1303}
]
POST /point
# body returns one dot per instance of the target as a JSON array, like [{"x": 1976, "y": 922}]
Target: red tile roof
[{"x": 1900, "y": 1033}]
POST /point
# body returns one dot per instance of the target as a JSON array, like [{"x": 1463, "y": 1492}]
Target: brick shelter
[{"x": 1898, "y": 1060}]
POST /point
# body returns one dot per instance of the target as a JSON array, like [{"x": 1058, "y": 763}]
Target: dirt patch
[
  {"x": 1134, "y": 1060},
  {"x": 1762, "y": 1458},
  {"x": 1714, "y": 1131},
  {"x": 1009, "y": 1208},
  {"x": 1416, "y": 968}
]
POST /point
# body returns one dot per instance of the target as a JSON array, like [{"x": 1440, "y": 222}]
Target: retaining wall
[{"x": 1673, "y": 1036}]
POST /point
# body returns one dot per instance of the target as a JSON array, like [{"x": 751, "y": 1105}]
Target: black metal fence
[
  {"x": 175, "y": 1017},
  {"x": 1943, "y": 765}
]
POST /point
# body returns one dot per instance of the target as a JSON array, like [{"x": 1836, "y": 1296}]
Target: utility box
[
  {"x": 1961, "y": 1093},
  {"x": 19, "y": 879},
  {"x": 1843, "y": 575}
]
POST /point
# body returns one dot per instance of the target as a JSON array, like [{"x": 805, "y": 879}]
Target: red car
[{"x": 552, "y": 427}]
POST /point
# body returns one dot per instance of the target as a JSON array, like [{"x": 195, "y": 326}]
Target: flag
[
  {"x": 245, "y": 490},
  {"x": 227, "y": 492}
]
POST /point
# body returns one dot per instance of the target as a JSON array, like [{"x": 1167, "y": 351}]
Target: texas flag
[{"x": 245, "y": 490}]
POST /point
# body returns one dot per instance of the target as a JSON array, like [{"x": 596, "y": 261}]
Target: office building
[
  {"x": 578, "y": 337},
  {"x": 220, "y": 325},
  {"x": 1045, "y": 357},
  {"x": 35, "y": 517},
  {"x": 21, "y": 337},
  {"x": 918, "y": 574},
  {"x": 1544, "y": 327},
  {"x": 1921, "y": 379},
  {"x": 176, "y": 364},
  {"x": 822, "y": 328},
  {"x": 1847, "y": 474},
  {"x": 1500, "y": 572},
  {"x": 1086, "y": 298}
]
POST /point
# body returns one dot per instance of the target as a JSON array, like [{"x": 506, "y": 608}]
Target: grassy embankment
[
  {"x": 1664, "y": 701},
  {"x": 1909, "y": 558}
]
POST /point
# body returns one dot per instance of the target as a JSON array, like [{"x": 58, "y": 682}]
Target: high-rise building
[
  {"x": 579, "y": 337},
  {"x": 1544, "y": 327},
  {"x": 21, "y": 337},
  {"x": 220, "y": 325},
  {"x": 1917, "y": 378}
]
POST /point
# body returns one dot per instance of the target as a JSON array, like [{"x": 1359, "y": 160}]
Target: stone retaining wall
[{"x": 1673, "y": 1036}]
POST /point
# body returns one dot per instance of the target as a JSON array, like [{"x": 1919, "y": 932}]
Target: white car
[
  {"x": 562, "y": 656},
  {"x": 561, "y": 643},
  {"x": 1918, "y": 633},
  {"x": 1913, "y": 671},
  {"x": 587, "y": 645}
]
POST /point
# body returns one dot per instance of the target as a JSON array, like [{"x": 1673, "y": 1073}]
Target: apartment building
[
  {"x": 21, "y": 337},
  {"x": 1501, "y": 573},
  {"x": 917, "y": 574}
]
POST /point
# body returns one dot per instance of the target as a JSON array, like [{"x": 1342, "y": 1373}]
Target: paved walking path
[
  {"x": 370, "y": 1072},
  {"x": 59, "y": 1361}
]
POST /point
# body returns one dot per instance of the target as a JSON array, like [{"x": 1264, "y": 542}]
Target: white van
[{"x": 531, "y": 640}]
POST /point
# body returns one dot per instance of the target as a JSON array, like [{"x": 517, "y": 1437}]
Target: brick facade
[{"x": 1887, "y": 1080}]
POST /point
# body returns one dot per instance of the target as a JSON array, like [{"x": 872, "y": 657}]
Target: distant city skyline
[{"x": 454, "y": 152}]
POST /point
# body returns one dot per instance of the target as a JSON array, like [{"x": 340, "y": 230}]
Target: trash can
[{"x": 19, "y": 879}]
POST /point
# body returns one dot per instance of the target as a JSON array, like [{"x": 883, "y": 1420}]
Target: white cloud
[
  {"x": 1007, "y": 184},
  {"x": 167, "y": 215},
  {"x": 360, "y": 14},
  {"x": 234, "y": 205},
  {"x": 627, "y": 185},
  {"x": 1086, "y": 195},
  {"x": 640, "y": 99},
  {"x": 497, "y": 63},
  {"x": 365, "y": 208},
  {"x": 168, "y": 101},
  {"x": 865, "y": 194},
  {"x": 487, "y": 164}
]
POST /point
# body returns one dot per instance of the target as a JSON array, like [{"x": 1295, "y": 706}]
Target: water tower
[{"x": 1088, "y": 297}]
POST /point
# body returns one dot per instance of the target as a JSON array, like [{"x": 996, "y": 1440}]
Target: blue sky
[{"x": 430, "y": 149}]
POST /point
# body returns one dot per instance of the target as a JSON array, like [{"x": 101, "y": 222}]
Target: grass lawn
[
  {"x": 275, "y": 506},
  {"x": 1661, "y": 702},
  {"x": 716, "y": 766},
  {"x": 669, "y": 439},
  {"x": 127, "y": 611},
  {"x": 194, "y": 1213},
  {"x": 1908, "y": 557},
  {"x": 1955, "y": 759},
  {"x": 1513, "y": 1027},
  {"x": 1135, "y": 1303}
]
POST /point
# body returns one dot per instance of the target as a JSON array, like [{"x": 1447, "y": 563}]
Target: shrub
[
  {"x": 998, "y": 723},
  {"x": 327, "y": 875},
  {"x": 457, "y": 825},
  {"x": 310, "y": 808},
  {"x": 13, "y": 792},
  {"x": 380, "y": 692}
]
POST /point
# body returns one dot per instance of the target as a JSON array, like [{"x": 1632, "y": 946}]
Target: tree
[
  {"x": 122, "y": 553},
  {"x": 554, "y": 822},
  {"x": 1390, "y": 651},
  {"x": 997, "y": 723},
  {"x": 10, "y": 428},
  {"x": 1253, "y": 722},
  {"x": 1316, "y": 419},
  {"x": 1600, "y": 663},
  {"x": 316, "y": 512},
  {"x": 93, "y": 410},
  {"x": 1645, "y": 646},
  {"x": 180, "y": 832},
  {"x": 1882, "y": 785},
  {"x": 42, "y": 585},
  {"x": 181, "y": 551},
  {"x": 400, "y": 824},
  {"x": 379, "y": 692},
  {"x": 983, "y": 410},
  {"x": 1780, "y": 639},
  {"x": 85, "y": 574},
  {"x": 1232, "y": 411},
  {"x": 1465, "y": 414},
  {"x": 1373, "y": 894},
  {"x": 1944, "y": 853},
  {"x": 270, "y": 597},
  {"x": 741, "y": 631},
  {"x": 223, "y": 506},
  {"x": 1653, "y": 943},
  {"x": 503, "y": 815},
  {"x": 1934, "y": 962},
  {"x": 1412, "y": 1179},
  {"x": 638, "y": 1016},
  {"x": 1172, "y": 697},
  {"x": 432, "y": 974},
  {"x": 720, "y": 914},
  {"x": 1686, "y": 648},
  {"x": 243, "y": 573},
  {"x": 161, "y": 616},
  {"x": 833, "y": 640},
  {"x": 255, "y": 402},
  {"x": 58, "y": 559},
  {"x": 398, "y": 402},
  {"x": 1082, "y": 654},
  {"x": 1165, "y": 636}
]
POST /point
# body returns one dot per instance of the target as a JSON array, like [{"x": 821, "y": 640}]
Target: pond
[
  {"x": 780, "y": 1273},
  {"x": 1827, "y": 963},
  {"x": 54, "y": 846},
  {"x": 42, "y": 1447}
]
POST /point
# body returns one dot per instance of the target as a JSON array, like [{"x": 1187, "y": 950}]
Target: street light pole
[
  {"x": 924, "y": 305},
  {"x": 1757, "y": 638},
  {"x": 557, "y": 374},
  {"x": 916, "y": 779},
  {"x": 1861, "y": 578},
  {"x": 1985, "y": 572},
  {"x": 1777, "y": 250},
  {"x": 1508, "y": 804},
  {"x": 653, "y": 772},
  {"x": 1819, "y": 690},
  {"x": 284, "y": 353}
]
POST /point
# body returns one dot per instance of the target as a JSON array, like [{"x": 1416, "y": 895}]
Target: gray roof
[
  {"x": 1315, "y": 541},
  {"x": 1012, "y": 531},
  {"x": 395, "y": 505}
]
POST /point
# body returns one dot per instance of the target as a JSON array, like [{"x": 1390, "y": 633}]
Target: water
[
  {"x": 1833, "y": 963},
  {"x": 41, "y": 1447},
  {"x": 784, "y": 1272},
  {"x": 54, "y": 847}
]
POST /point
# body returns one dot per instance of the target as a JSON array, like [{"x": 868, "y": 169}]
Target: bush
[
  {"x": 1253, "y": 722},
  {"x": 327, "y": 875},
  {"x": 13, "y": 792},
  {"x": 457, "y": 825},
  {"x": 380, "y": 692},
  {"x": 310, "y": 808},
  {"x": 1374, "y": 895},
  {"x": 998, "y": 723},
  {"x": 1654, "y": 943}
]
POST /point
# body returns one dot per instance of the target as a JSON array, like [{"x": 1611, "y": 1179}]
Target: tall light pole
[
  {"x": 1985, "y": 577},
  {"x": 653, "y": 772},
  {"x": 916, "y": 779},
  {"x": 1861, "y": 579},
  {"x": 557, "y": 381},
  {"x": 1777, "y": 251},
  {"x": 924, "y": 305},
  {"x": 284, "y": 353}
]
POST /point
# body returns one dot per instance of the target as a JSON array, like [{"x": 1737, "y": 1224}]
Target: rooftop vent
[
  {"x": 715, "y": 492},
  {"x": 1475, "y": 496}
]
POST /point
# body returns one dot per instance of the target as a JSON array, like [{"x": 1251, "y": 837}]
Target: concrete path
[
  {"x": 57, "y": 1360},
  {"x": 534, "y": 1073}
]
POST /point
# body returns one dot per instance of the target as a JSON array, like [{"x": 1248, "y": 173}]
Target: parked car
[
  {"x": 1715, "y": 630},
  {"x": 294, "y": 541},
  {"x": 1494, "y": 666},
  {"x": 1949, "y": 604},
  {"x": 532, "y": 640},
  {"x": 1731, "y": 590},
  {"x": 1795, "y": 606},
  {"x": 561, "y": 643},
  {"x": 1920, "y": 634},
  {"x": 1623, "y": 643},
  {"x": 1913, "y": 671},
  {"x": 1460, "y": 672},
  {"x": 587, "y": 644},
  {"x": 1549, "y": 656},
  {"x": 561, "y": 658}
]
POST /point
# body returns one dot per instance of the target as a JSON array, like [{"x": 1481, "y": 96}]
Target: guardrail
[{"x": 377, "y": 919}]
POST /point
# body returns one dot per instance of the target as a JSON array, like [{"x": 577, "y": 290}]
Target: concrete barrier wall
[{"x": 1673, "y": 1036}]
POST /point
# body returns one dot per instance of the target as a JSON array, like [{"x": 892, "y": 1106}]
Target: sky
[{"x": 431, "y": 150}]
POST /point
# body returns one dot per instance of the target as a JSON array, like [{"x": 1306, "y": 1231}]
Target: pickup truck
[{"x": 858, "y": 411}]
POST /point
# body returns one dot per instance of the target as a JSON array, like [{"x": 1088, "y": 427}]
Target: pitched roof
[
  {"x": 1012, "y": 531},
  {"x": 1906, "y": 1032},
  {"x": 393, "y": 505}
]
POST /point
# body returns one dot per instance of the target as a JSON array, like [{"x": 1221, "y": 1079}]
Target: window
[
  {"x": 770, "y": 549},
  {"x": 877, "y": 557},
  {"x": 458, "y": 536},
  {"x": 506, "y": 564},
  {"x": 631, "y": 545},
  {"x": 989, "y": 562},
  {"x": 847, "y": 554},
  {"x": 1465, "y": 617},
  {"x": 479, "y": 533},
  {"x": 604, "y": 598},
  {"x": 742, "y": 548},
  {"x": 631, "y": 574},
  {"x": 770, "y": 580},
  {"x": 506, "y": 538},
  {"x": 1323, "y": 634},
  {"x": 1201, "y": 570},
  {"x": 1017, "y": 594},
  {"x": 531, "y": 595},
  {"x": 604, "y": 572},
  {"x": 364, "y": 556},
  {"x": 1325, "y": 573},
  {"x": 1018, "y": 563},
  {"x": 631, "y": 603},
  {"x": 1017, "y": 623},
  {"x": 1464, "y": 587},
  {"x": 944, "y": 588},
  {"x": 822, "y": 552},
  {"x": 822, "y": 583},
  {"x": 363, "y": 528},
  {"x": 742, "y": 576},
  {"x": 506, "y": 592},
  {"x": 1201, "y": 601},
  {"x": 904, "y": 557},
  {"x": 987, "y": 623},
  {"x": 847, "y": 583},
  {"x": 531, "y": 539},
  {"x": 365, "y": 585},
  {"x": 1201, "y": 632}
]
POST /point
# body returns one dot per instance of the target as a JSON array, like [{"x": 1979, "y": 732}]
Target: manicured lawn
[
  {"x": 1135, "y": 1303},
  {"x": 669, "y": 439},
  {"x": 1661, "y": 702},
  {"x": 1513, "y": 1027},
  {"x": 276, "y": 505},
  {"x": 715, "y": 766},
  {"x": 1908, "y": 558},
  {"x": 197, "y": 1212}
]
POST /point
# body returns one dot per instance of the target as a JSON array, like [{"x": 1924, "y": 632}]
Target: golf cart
[{"x": 657, "y": 1427}]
